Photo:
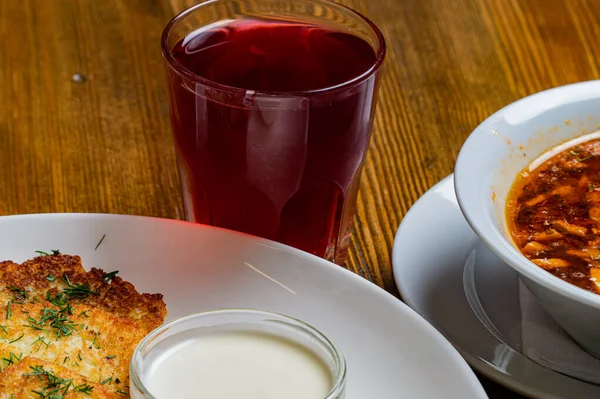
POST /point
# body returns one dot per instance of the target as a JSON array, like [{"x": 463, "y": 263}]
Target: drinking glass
[{"x": 272, "y": 104}]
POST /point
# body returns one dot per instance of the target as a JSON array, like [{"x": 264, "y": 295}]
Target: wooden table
[{"x": 84, "y": 122}]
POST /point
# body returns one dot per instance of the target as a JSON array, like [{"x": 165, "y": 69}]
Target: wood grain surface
[{"x": 84, "y": 123}]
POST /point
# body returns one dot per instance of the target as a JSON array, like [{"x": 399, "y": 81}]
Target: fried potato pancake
[
  {"x": 62, "y": 327},
  {"x": 34, "y": 378}
]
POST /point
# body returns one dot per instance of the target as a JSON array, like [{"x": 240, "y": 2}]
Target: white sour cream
[{"x": 238, "y": 364}]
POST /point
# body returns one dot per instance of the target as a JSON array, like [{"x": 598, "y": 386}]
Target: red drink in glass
[{"x": 272, "y": 119}]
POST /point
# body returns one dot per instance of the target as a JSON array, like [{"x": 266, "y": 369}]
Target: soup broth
[{"x": 553, "y": 215}]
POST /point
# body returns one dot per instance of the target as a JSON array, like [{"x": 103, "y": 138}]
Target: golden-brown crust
[
  {"x": 121, "y": 299},
  {"x": 118, "y": 297},
  {"x": 99, "y": 329},
  {"x": 21, "y": 379}
]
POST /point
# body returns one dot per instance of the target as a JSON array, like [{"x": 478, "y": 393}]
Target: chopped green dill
[
  {"x": 117, "y": 381},
  {"x": 79, "y": 356},
  {"x": 58, "y": 300},
  {"x": 109, "y": 276},
  {"x": 100, "y": 242},
  {"x": 8, "y": 311},
  {"x": 11, "y": 359},
  {"x": 16, "y": 339},
  {"x": 80, "y": 291},
  {"x": 57, "y": 320},
  {"x": 33, "y": 324},
  {"x": 121, "y": 392},
  {"x": 84, "y": 313},
  {"x": 97, "y": 346},
  {"x": 3, "y": 328},
  {"x": 110, "y": 357},
  {"x": 56, "y": 387},
  {"x": 18, "y": 293},
  {"x": 84, "y": 388},
  {"x": 66, "y": 278},
  {"x": 50, "y": 277},
  {"x": 42, "y": 341},
  {"x": 109, "y": 379},
  {"x": 55, "y": 252}
]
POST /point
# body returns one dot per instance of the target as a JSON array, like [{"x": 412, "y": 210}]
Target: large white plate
[
  {"x": 451, "y": 278},
  {"x": 391, "y": 352}
]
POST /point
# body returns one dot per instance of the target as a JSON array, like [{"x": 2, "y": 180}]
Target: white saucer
[
  {"x": 390, "y": 351},
  {"x": 456, "y": 283}
]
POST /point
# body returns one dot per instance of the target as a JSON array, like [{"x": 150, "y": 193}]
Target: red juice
[{"x": 274, "y": 149}]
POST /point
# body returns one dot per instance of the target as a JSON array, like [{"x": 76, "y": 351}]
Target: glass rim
[
  {"x": 186, "y": 73},
  {"x": 339, "y": 380}
]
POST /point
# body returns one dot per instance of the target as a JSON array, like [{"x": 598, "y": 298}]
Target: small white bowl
[
  {"x": 169, "y": 339},
  {"x": 488, "y": 164}
]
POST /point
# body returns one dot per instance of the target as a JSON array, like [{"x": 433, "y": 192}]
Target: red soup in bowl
[{"x": 553, "y": 213}]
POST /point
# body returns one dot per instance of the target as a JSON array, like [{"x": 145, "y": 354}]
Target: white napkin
[{"x": 548, "y": 345}]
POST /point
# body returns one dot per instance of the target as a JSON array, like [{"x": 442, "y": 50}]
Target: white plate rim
[{"x": 371, "y": 288}]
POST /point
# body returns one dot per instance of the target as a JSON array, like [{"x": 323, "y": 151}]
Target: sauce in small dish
[
  {"x": 237, "y": 354},
  {"x": 553, "y": 212}
]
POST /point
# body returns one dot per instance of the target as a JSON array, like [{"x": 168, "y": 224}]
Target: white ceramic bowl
[{"x": 488, "y": 164}]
